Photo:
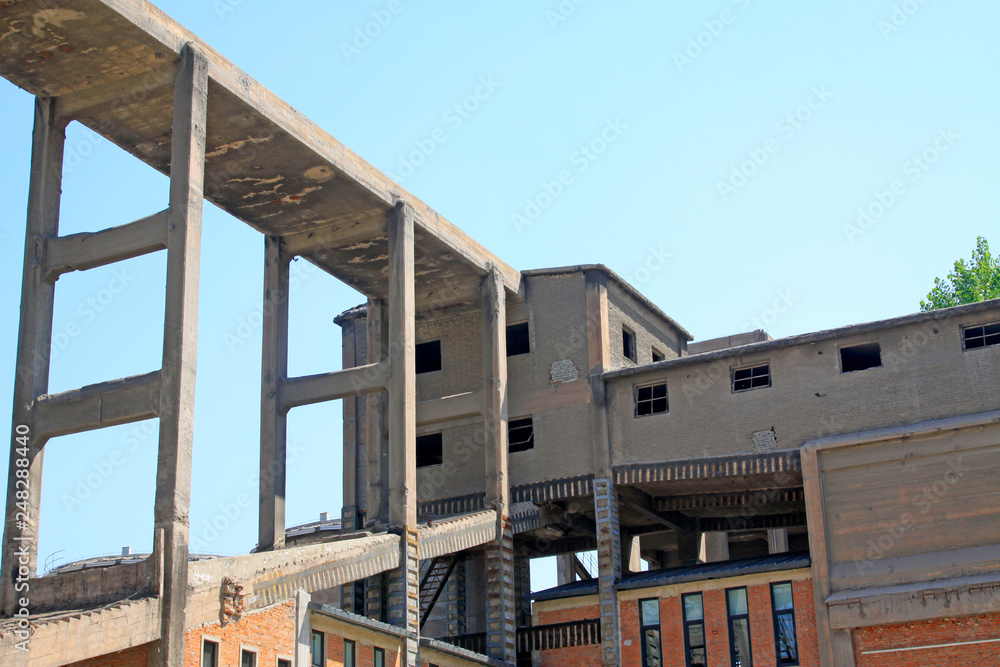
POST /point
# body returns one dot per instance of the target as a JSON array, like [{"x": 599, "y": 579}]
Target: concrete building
[{"x": 825, "y": 499}]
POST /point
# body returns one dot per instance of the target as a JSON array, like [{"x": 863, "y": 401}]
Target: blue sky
[{"x": 792, "y": 166}]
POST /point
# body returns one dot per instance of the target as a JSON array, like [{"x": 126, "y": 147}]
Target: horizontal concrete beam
[
  {"x": 121, "y": 92},
  {"x": 309, "y": 389},
  {"x": 79, "y": 252},
  {"x": 98, "y": 405},
  {"x": 449, "y": 408},
  {"x": 456, "y": 534}
]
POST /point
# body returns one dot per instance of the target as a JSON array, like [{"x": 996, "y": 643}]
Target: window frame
[
  {"x": 651, "y": 400},
  {"x": 629, "y": 345},
  {"x": 654, "y": 353},
  {"x": 983, "y": 336},
  {"x": 730, "y": 618},
  {"x": 376, "y": 652},
  {"x": 775, "y": 613},
  {"x": 840, "y": 356},
  {"x": 750, "y": 367},
  {"x": 354, "y": 654},
  {"x": 278, "y": 659},
  {"x": 440, "y": 436},
  {"x": 687, "y": 628},
  {"x": 643, "y": 628},
  {"x": 531, "y": 440},
  {"x": 322, "y": 647},
  {"x": 527, "y": 337},
  {"x": 208, "y": 639},
  {"x": 250, "y": 650},
  {"x": 440, "y": 357}
]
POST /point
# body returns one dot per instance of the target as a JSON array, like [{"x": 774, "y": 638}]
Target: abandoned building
[{"x": 823, "y": 499}]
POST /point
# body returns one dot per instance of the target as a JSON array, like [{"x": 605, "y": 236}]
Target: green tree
[{"x": 975, "y": 280}]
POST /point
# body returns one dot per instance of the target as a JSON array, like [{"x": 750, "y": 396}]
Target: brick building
[{"x": 824, "y": 499}]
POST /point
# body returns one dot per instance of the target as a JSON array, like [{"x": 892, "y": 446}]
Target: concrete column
[
  {"x": 375, "y": 598},
  {"x": 565, "y": 569},
  {"x": 404, "y": 584},
  {"x": 273, "y": 421},
  {"x": 714, "y": 547},
  {"x": 34, "y": 342},
  {"x": 303, "y": 630},
  {"x": 501, "y": 628},
  {"x": 777, "y": 540},
  {"x": 180, "y": 345},
  {"x": 457, "y": 611},
  {"x": 376, "y": 416},
  {"x": 609, "y": 564}
]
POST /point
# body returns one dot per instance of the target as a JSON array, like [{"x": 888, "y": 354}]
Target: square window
[
  {"x": 658, "y": 356},
  {"x": 517, "y": 339},
  {"x": 430, "y": 450},
  {"x": 628, "y": 344},
  {"x": 428, "y": 356},
  {"x": 651, "y": 399},
  {"x": 860, "y": 357},
  {"x": 753, "y": 377},
  {"x": 981, "y": 336},
  {"x": 520, "y": 435}
]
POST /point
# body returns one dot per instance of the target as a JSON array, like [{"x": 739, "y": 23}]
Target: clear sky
[{"x": 790, "y": 166}]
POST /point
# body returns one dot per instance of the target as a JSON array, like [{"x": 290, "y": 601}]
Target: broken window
[
  {"x": 651, "y": 399},
  {"x": 428, "y": 356},
  {"x": 752, "y": 377},
  {"x": 628, "y": 344},
  {"x": 517, "y": 339},
  {"x": 657, "y": 355},
  {"x": 860, "y": 357},
  {"x": 520, "y": 435},
  {"x": 984, "y": 336},
  {"x": 430, "y": 450}
]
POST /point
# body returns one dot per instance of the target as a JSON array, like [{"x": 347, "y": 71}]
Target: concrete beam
[
  {"x": 34, "y": 342},
  {"x": 88, "y": 250},
  {"x": 119, "y": 92},
  {"x": 346, "y": 383},
  {"x": 180, "y": 345},
  {"x": 98, "y": 405}
]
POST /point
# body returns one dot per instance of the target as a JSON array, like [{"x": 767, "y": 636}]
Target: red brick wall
[
  {"x": 271, "y": 632},
  {"x": 133, "y": 657},
  {"x": 578, "y": 656},
  {"x": 944, "y": 631}
]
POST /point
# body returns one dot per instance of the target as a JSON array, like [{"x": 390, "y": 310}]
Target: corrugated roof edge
[
  {"x": 816, "y": 337},
  {"x": 632, "y": 291}
]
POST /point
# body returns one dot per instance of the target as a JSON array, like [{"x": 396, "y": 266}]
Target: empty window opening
[
  {"x": 628, "y": 344},
  {"x": 860, "y": 357},
  {"x": 430, "y": 450},
  {"x": 517, "y": 339},
  {"x": 284, "y": 662},
  {"x": 428, "y": 356},
  {"x": 520, "y": 435},
  {"x": 754, "y": 377},
  {"x": 651, "y": 399},
  {"x": 984, "y": 336},
  {"x": 658, "y": 356}
]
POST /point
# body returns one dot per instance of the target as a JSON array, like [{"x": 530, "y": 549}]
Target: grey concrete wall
[{"x": 623, "y": 310}]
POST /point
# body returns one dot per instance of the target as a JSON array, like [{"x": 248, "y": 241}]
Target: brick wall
[
  {"x": 578, "y": 656},
  {"x": 270, "y": 631},
  {"x": 930, "y": 633},
  {"x": 137, "y": 656}
]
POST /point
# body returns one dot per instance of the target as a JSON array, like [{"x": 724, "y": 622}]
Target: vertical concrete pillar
[
  {"x": 404, "y": 603},
  {"x": 273, "y": 422},
  {"x": 303, "y": 630},
  {"x": 34, "y": 342},
  {"x": 180, "y": 345},
  {"x": 609, "y": 566},
  {"x": 565, "y": 569},
  {"x": 501, "y": 627},
  {"x": 376, "y": 594},
  {"x": 777, "y": 540},
  {"x": 457, "y": 611},
  {"x": 714, "y": 547},
  {"x": 522, "y": 586},
  {"x": 376, "y": 416}
]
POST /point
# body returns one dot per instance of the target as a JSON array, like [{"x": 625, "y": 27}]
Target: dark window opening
[
  {"x": 658, "y": 356},
  {"x": 984, "y": 336},
  {"x": 628, "y": 344},
  {"x": 786, "y": 645},
  {"x": 695, "y": 654},
  {"x": 430, "y": 450},
  {"x": 860, "y": 357},
  {"x": 209, "y": 654},
  {"x": 284, "y": 663},
  {"x": 379, "y": 660},
  {"x": 517, "y": 339},
  {"x": 520, "y": 435},
  {"x": 350, "y": 654},
  {"x": 739, "y": 628},
  {"x": 651, "y": 400},
  {"x": 751, "y": 378},
  {"x": 428, "y": 356},
  {"x": 649, "y": 630},
  {"x": 317, "y": 649},
  {"x": 248, "y": 658}
]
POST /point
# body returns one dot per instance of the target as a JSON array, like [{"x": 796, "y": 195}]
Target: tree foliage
[{"x": 975, "y": 280}]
